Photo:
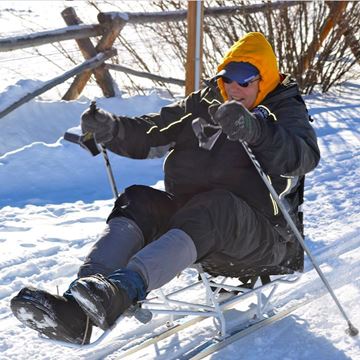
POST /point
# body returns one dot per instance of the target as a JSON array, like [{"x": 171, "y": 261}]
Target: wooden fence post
[
  {"x": 102, "y": 75},
  {"x": 194, "y": 45}
]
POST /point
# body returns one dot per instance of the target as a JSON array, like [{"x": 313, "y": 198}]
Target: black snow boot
[
  {"x": 104, "y": 299},
  {"x": 57, "y": 317}
]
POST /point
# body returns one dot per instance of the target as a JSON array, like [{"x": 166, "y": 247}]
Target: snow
[
  {"x": 37, "y": 148},
  {"x": 55, "y": 198}
]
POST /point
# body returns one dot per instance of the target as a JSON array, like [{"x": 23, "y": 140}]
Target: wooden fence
[{"x": 109, "y": 27}]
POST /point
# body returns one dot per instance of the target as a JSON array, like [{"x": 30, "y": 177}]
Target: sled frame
[
  {"x": 213, "y": 307},
  {"x": 173, "y": 309}
]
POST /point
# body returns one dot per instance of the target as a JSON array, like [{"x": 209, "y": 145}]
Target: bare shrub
[
  {"x": 290, "y": 30},
  {"x": 294, "y": 30}
]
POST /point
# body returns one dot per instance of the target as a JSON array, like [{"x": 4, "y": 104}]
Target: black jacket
[{"x": 286, "y": 151}]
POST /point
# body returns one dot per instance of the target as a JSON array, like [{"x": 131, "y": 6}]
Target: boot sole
[
  {"x": 92, "y": 307},
  {"x": 36, "y": 316}
]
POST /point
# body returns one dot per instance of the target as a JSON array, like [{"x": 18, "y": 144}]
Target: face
[{"x": 246, "y": 95}]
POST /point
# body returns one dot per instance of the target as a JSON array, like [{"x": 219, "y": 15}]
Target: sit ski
[{"x": 164, "y": 314}]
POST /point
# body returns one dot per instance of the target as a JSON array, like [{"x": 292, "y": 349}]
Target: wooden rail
[
  {"x": 86, "y": 31},
  {"x": 180, "y": 15},
  {"x": 86, "y": 65},
  {"x": 47, "y": 37},
  {"x": 144, "y": 74}
]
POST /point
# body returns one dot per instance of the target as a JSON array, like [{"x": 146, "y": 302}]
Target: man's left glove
[
  {"x": 237, "y": 122},
  {"x": 104, "y": 125}
]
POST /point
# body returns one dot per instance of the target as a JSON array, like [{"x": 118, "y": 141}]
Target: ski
[
  {"x": 213, "y": 345},
  {"x": 209, "y": 346},
  {"x": 161, "y": 336}
]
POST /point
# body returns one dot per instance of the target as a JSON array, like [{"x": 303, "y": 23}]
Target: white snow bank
[{"x": 37, "y": 166}]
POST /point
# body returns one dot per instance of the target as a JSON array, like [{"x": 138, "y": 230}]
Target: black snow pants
[{"x": 230, "y": 237}]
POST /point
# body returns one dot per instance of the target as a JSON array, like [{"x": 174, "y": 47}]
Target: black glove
[
  {"x": 238, "y": 123},
  {"x": 102, "y": 124}
]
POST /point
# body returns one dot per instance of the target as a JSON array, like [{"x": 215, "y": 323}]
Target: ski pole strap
[
  {"x": 201, "y": 129},
  {"x": 86, "y": 141},
  {"x": 265, "y": 279}
]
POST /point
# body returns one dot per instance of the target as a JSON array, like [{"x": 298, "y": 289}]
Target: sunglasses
[{"x": 245, "y": 84}]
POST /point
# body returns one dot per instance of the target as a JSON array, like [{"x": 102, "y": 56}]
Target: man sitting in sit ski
[{"x": 216, "y": 210}]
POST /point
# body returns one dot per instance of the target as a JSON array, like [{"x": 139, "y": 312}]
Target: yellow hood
[{"x": 256, "y": 50}]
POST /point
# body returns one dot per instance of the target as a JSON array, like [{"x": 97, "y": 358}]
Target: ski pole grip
[{"x": 93, "y": 107}]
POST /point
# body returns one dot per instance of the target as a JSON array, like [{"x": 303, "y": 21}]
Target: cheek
[
  {"x": 256, "y": 90},
  {"x": 250, "y": 98},
  {"x": 227, "y": 88},
  {"x": 252, "y": 94}
]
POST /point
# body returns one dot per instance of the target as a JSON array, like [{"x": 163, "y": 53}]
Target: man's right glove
[
  {"x": 237, "y": 122},
  {"x": 102, "y": 124}
]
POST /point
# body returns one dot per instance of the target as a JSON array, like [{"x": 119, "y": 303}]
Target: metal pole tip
[{"x": 352, "y": 330}]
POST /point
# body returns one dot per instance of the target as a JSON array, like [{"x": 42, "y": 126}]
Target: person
[{"x": 216, "y": 209}]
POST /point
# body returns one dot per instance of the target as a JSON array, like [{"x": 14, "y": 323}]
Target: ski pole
[
  {"x": 109, "y": 172},
  {"x": 107, "y": 161},
  {"x": 352, "y": 330}
]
